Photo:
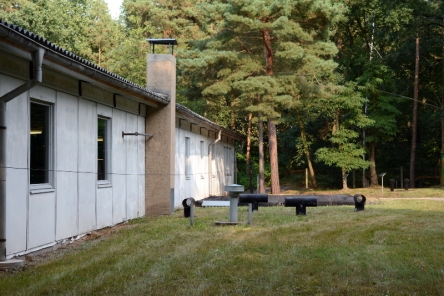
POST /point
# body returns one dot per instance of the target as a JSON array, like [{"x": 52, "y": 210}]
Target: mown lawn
[{"x": 394, "y": 247}]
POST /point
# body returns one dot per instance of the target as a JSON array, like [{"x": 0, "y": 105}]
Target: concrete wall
[{"x": 74, "y": 203}]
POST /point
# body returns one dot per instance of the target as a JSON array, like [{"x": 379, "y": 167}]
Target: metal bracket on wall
[{"x": 136, "y": 134}]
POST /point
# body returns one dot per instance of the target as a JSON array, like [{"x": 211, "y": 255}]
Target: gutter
[
  {"x": 37, "y": 61},
  {"x": 210, "y": 162}
]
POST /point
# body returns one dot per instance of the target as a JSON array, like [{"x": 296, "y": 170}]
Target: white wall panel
[
  {"x": 104, "y": 207},
  {"x": 66, "y": 225},
  {"x": 132, "y": 196},
  {"x": 87, "y": 165},
  {"x": 119, "y": 198},
  {"x": 141, "y": 166},
  {"x": 179, "y": 167},
  {"x": 41, "y": 219},
  {"x": 132, "y": 202},
  {"x": 16, "y": 209},
  {"x": 118, "y": 166},
  {"x": 66, "y": 130},
  {"x": 17, "y": 189},
  {"x": 17, "y": 122},
  {"x": 87, "y": 202},
  {"x": 87, "y": 162}
]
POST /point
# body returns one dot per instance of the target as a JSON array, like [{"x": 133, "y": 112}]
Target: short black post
[
  {"x": 406, "y": 184},
  {"x": 254, "y": 199},
  {"x": 301, "y": 203},
  {"x": 392, "y": 184}
]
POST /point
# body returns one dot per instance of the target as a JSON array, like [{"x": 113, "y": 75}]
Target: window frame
[
  {"x": 106, "y": 182},
  {"x": 50, "y": 155}
]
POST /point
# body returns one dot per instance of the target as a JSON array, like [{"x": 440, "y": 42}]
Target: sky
[{"x": 114, "y": 7}]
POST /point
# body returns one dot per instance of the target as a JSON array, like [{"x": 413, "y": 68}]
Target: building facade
[{"x": 83, "y": 149}]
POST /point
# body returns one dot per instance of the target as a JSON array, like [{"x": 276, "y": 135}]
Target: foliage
[
  {"x": 82, "y": 27},
  {"x": 340, "y": 86},
  {"x": 243, "y": 174}
]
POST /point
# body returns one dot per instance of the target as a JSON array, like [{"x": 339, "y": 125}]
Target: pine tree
[{"x": 256, "y": 46}]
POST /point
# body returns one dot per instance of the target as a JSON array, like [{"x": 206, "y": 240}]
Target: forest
[{"x": 334, "y": 88}]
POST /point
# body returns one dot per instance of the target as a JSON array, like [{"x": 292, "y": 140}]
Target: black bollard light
[
  {"x": 406, "y": 184},
  {"x": 188, "y": 209},
  {"x": 392, "y": 184},
  {"x": 359, "y": 202}
]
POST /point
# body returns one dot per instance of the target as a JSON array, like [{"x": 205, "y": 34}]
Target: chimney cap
[
  {"x": 162, "y": 41},
  {"x": 169, "y": 42}
]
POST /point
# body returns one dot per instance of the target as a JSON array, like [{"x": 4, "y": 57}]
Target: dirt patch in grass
[{"x": 60, "y": 249}]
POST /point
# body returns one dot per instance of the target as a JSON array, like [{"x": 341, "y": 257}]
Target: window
[
  {"x": 202, "y": 147},
  {"x": 202, "y": 154},
  {"x": 227, "y": 160},
  {"x": 41, "y": 144},
  {"x": 187, "y": 158},
  {"x": 102, "y": 148}
]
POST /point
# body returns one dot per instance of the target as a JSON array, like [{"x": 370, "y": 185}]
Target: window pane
[
  {"x": 101, "y": 149},
  {"x": 39, "y": 127},
  {"x": 202, "y": 146}
]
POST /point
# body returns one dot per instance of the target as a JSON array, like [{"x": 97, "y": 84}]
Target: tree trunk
[
  {"x": 415, "y": 118},
  {"x": 373, "y": 174},
  {"x": 248, "y": 168},
  {"x": 306, "y": 151},
  {"x": 344, "y": 180},
  {"x": 272, "y": 143},
  {"x": 247, "y": 156},
  {"x": 261, "y": 155},
  {"x": 442, "y": 116},
  {"x": 272, "y": 137}
]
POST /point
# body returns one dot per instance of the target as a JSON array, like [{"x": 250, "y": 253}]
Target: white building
[
  {"x": 82, "y": 148},
  {"x": 205, "y": 157}
]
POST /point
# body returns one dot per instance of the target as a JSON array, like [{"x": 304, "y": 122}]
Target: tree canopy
[{"x": 334, "y": 80}]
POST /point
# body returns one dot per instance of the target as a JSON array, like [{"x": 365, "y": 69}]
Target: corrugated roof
[
  {"x": 193, "y": 114},
  {"x": 39, "y": 40}
]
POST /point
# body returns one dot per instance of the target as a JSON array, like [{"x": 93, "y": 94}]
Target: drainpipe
[
  {"x": 210, "y": 162},
  {"x": 37, "y": 61}
]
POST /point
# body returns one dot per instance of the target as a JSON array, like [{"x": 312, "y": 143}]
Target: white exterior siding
[
  {"x": 141, "y": 169},
  {"x": 200, "y": 183},
  {"x": 66, "y": 154},
  {"x": 17, "y": 163},
  {"x": 75, "y": 205},
  {"x": 118, "y": 165},
  {"x": 87, "y": 166}
]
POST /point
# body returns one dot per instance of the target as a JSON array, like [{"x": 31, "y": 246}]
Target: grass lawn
[{"x": 394, "y": 247}]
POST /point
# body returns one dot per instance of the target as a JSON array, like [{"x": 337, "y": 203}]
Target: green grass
[{"x": 394, "y": 247}]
